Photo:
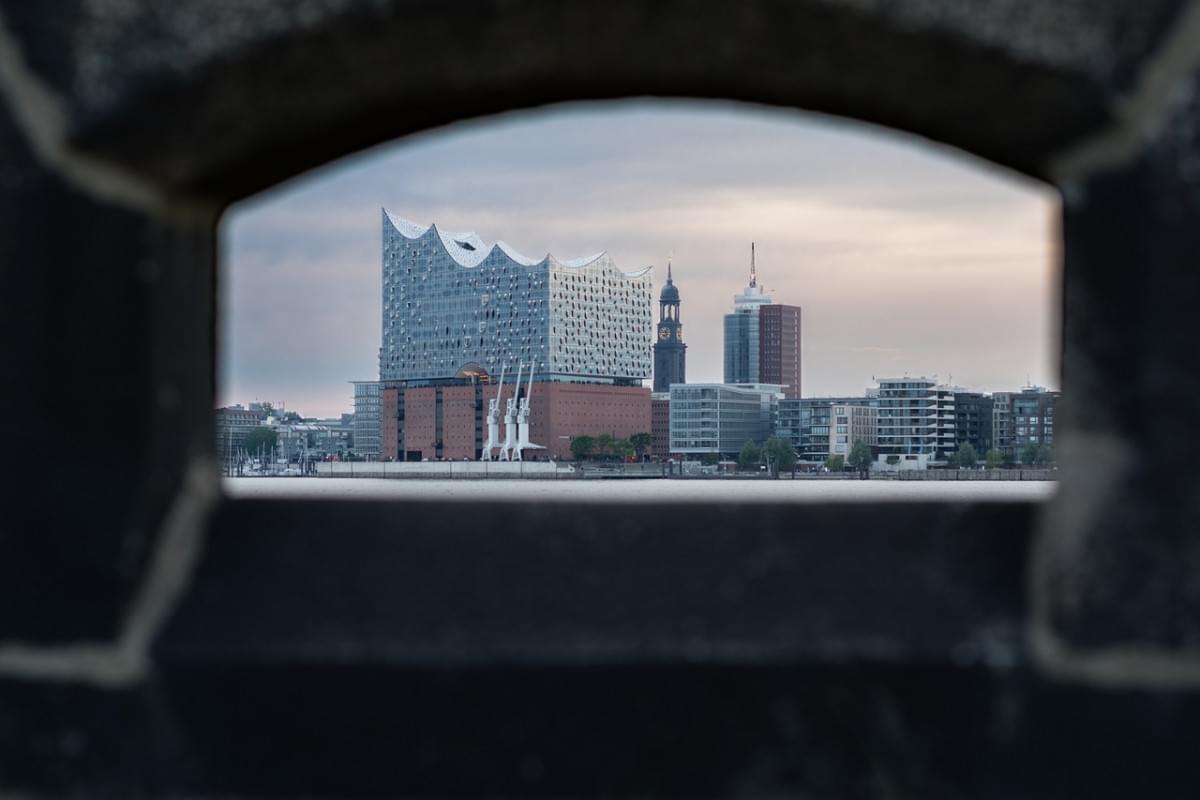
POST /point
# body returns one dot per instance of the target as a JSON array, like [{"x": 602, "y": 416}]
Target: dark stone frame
[{"x": 156, "y": 638}]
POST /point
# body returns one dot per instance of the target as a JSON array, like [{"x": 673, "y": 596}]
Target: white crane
[
  {"x": 493, "y": 420},
  {"x": 510, "y": 420}
]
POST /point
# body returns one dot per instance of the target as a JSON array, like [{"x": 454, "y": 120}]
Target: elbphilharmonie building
[{"x": 455, "y": 307}]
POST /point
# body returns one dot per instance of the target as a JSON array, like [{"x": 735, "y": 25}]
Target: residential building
[
  {"x": 670, "y": 353},
  {"x": 720, "y": 418},
  {"x": 367, "y": 421},
  {"x": 916, "y": 424},
  {"x": 973, "y": 418},
  {"x": 1033, "y": 418},
  {"x": 1002, "y": 430},
  {"x": 232, "y": 425},
  {"x": 809, "y": 424},
  {"x": 853, "y": 421},
  {"x": 762, "y": 339}
]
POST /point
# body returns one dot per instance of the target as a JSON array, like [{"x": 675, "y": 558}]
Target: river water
[{"x": 639, "y": 490}]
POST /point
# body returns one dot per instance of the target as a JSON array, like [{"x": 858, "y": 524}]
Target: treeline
[{"x": 606, "y": 447}]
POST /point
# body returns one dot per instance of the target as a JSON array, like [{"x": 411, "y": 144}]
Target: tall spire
[
  {"x": 668, "y": 269},
  {"x": 753, "y": 273}
]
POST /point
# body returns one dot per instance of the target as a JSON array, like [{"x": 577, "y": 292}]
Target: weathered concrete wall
[{"x": 155, "y": 638}]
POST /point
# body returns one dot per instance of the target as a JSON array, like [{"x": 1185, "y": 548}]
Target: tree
[
  {"x": 261, "y": 438},
  {"x": 622, "y": 449},
  {"x": 604, "y": 443},
  {"x": 710, "y": 459},
  {"x": 994, "y": 458},
  {"x": 291, "y": 416},
  {"x": 860, "y": 456},
  {"x": 1045, "y": 456},
  {"x": 750, "y": 456},
  {"x": 582, "y": 447},
  {"x": 641, "y": 443},
  {"x": 1029, "y": 454},
  {"x": 780, "y": 454},
  {"x": 835, "y": 463},
  {"x": 966, "y": 456}
]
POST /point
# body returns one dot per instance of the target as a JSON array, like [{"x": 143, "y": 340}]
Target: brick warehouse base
[{"x": 450, "y": 422}]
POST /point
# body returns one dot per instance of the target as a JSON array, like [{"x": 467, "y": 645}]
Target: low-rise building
[
  {"x": 448, "y": 420},
  {"x": 916, "y": 422},
  {"x": 232, "y": 425},
  {"x": 809, "y": 424},
  {"x": 660, "y": 425},
  {"x": 1033, "y": 418},
  {"x": 854, "y": 420},
  {"x": 718, "y": 418}
]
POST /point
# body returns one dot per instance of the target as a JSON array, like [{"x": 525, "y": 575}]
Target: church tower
[{"x": 670, "y": 352}]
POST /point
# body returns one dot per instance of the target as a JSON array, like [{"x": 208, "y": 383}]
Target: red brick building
[
  {"x": 779, "y": 347},
  {"x": 449, "y": 422},
  {"x": 660, "y": 425}
]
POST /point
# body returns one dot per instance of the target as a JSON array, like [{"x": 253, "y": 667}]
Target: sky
[{"x": 907, "y": 257}]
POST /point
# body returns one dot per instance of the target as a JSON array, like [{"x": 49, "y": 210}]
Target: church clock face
[{"x": 664, "y": 334}]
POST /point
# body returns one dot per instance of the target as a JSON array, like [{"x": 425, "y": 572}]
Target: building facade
[
  {"x": 670, "y": 353},
  {"x": 916, "y": 422},
  {"x": 1033, "y": 418},
  {"x": 973, "y": 417},
  {"x": 1002, "y": 431},
  {"x": 853, "y": 421},
  {"x": 720, "y": 418},
  {"x": 448, "y": 421},
  {"x": 232, "y": 425},
  {"x": 367, "y": 419},
  {"x": 660, "y": 425},
  {"x": 762, "y": 339},
  {"x": 811, "y": 425},
  {"x": 779, "y": 347},
  {"x": 455, "y": 307}
]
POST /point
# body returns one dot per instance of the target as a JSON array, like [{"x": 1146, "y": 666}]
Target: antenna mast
[{"x": 753, "y": 273}]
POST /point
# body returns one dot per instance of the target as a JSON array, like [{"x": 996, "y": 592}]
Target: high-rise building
[
  {"x": 670, "y": 353},
  {"x": 458, "y": 314},
  {"x": 762, "y": 339}
]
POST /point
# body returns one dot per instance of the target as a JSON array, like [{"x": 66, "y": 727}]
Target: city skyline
[{"x": 905, "y": 258}]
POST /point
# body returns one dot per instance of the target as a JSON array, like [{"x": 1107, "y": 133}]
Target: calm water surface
[{"x": 638, "y": 491}]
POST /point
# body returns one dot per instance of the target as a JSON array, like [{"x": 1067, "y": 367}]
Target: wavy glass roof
[{"x": 467, "y": 249}]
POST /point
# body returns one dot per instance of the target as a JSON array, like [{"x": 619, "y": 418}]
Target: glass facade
[
  {"x": 741, "y": 346},
  {"x": 812, "y": 426},
  {"x": 716, "y": 418},
  {"x": 452, "y": 304},
  {"x": 367, "y": 437}
]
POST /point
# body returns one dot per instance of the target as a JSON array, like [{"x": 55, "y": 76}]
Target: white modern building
[
  {"x": 916, "y": 422},
  {"x": 455, "y": 306}
]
